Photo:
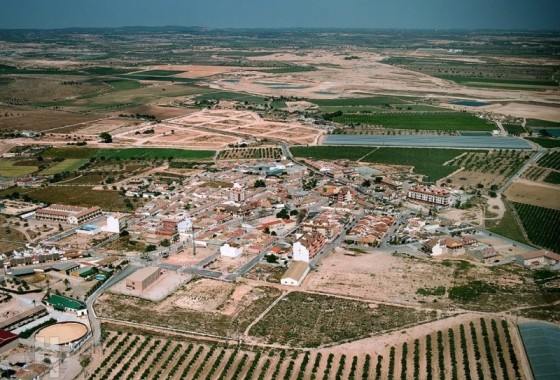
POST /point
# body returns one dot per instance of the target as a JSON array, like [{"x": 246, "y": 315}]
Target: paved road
[{"x": 94, "y": 322}]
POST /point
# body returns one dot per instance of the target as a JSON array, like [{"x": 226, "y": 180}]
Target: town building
[
  {"x": 67, "y": 214},
  {"x": 231, "y": 250},
  {"x": 24, "y": 318},
  {"x": 434, "y": 195},
  {"x": 540, "y": 258},
  {"x": 142, "y": 278},
  {"x": 115, "y": 223},
  {"x": 307, "y": 246},
  {"x": 295, "y": 274},
  {"x": 237, "y": 193}
]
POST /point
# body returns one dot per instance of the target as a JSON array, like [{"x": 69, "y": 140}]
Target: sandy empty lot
[{"x": 533, "y": 193}]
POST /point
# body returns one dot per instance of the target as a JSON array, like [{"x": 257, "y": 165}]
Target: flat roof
[
  {"x": 141, "y": 274},
  {"x": 65, "y": 302},
  {"x": 65, "y": 265},
  {"x": 542, "y": 344}
]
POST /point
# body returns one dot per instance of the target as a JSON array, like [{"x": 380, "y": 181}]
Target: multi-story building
[
  {"x": 237, "y": 193},
  {"x": 67, "y": 214},
  {"x": 307, "y": 246},
  {"x": 435, "y": 195}
]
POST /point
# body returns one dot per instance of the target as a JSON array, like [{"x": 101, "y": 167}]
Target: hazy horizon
[{"x": 313, "y": 14}]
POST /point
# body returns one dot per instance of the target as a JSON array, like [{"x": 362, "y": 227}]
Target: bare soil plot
[
  {"x": 100, "y": 126},
  {"x": 27, "y": 89},
  {"x": 240, "y": 313},
  {"x": 196, "y": 71},
  {"x": 42, "y": 120},
  {"x": 160, "y": 112},
  {"x": 533, "y": 193},
  {"x": 398, "y": 278}
]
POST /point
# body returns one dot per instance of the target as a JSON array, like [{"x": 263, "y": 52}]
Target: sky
[{"x": 402, "y": 14}]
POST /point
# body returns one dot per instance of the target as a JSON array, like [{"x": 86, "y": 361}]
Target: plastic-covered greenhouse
[{"x": 542, "y": 344}]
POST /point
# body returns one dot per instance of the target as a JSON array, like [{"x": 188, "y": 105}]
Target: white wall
[
  {"x": 299, "y": 252},
  {"x": 229, "y": 251}
]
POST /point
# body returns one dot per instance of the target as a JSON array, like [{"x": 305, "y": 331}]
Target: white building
[
  {"x": 231, "y": 250},
  {"x": 435, "y": 195},
  {"x": 237, "y": 193},
  {"x": 115, "y": 223},
  {"x": 295, "y": 274}
]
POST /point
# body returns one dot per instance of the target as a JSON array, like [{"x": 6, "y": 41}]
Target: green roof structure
[{"x": 64, "y": 303}]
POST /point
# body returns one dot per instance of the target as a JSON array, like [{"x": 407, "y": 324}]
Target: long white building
[{"x": 435, "y": 195}]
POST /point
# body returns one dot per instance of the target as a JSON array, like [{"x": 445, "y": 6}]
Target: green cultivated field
[
  {"x": 159, "y": 72},
  {"x": 550, "y": 160},
  {"x": 553, "y": 177},
  {"x": 234, "y": 96},
  {"x": 351, "y": 102},
  {"x": 426, "y": 161},
  {"x": 82, "y": 196},
  {"x": 514, "y": 129},
  {"x": 8, "y": 169},
  {"x": 74, "y": 153},
  {"x": 67, "y": 165},
  {"x": 331, "y": 152},
  {"x": 153, "y": 153},
  {"x": 539, "y": 124},
  {"x": 446, "y": 121},
  {"x": 545, "y": 143},
  {"x": 542, "y": 234}
]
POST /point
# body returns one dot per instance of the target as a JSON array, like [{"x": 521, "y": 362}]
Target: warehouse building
[{"x": 142, "y": 278}]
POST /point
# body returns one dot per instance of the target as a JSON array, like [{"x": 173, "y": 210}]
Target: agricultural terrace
[
  {"x": 550, "y": 160},
  {"x": 316, "y": 320},
  {"x": 487, "y": 169},
  {"x": 9, "y": 168},
  {"x": 546, "y": 169},
  {"x": 541, "y": 234},
  {"x": 68, "y": 165},
  {"x": 153, "y": 153},
  {"x": 273, "y": 153},
  {"x": 475, "y": 349},
  {"x": 441, "y": 121},
  {"x": 127, "y": 154},
  {"x": 427, "y": 161},
  {"x": 85, "y": 197}
]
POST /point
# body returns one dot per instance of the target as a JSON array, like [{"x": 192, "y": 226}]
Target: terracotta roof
[{"x": 541, "y": 253}]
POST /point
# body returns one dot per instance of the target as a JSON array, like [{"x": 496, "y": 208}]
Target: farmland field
[
  {"x": 508, "y": 225},
  {"x": 82, "y": 196},
  {"x": 152, "y": 153},
  {"x": 539, "y": 124},
  {"x": 550, "y": 160},
  {"x": 475, "y": 349},
  {"x": 552, "y": 177},
  {"x": 426, "y": 161},
  {"x": 545, "y": 143},
  {"x": 331, "y": 152},
  {"x": 340, "y": 320},
  {"x": 514, "y": 129},
  {"x": 8, "y": 169},
  {"x": 447, "y": 121},
  {"x": 73, "y": 153},
  {"x": 542, "y": 234},
  {"x": 250, "y": 153},
  {"x": 68, "y": 165}
]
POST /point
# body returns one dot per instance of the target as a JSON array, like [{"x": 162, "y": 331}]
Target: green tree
[{"x": 106, "y": 137}]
